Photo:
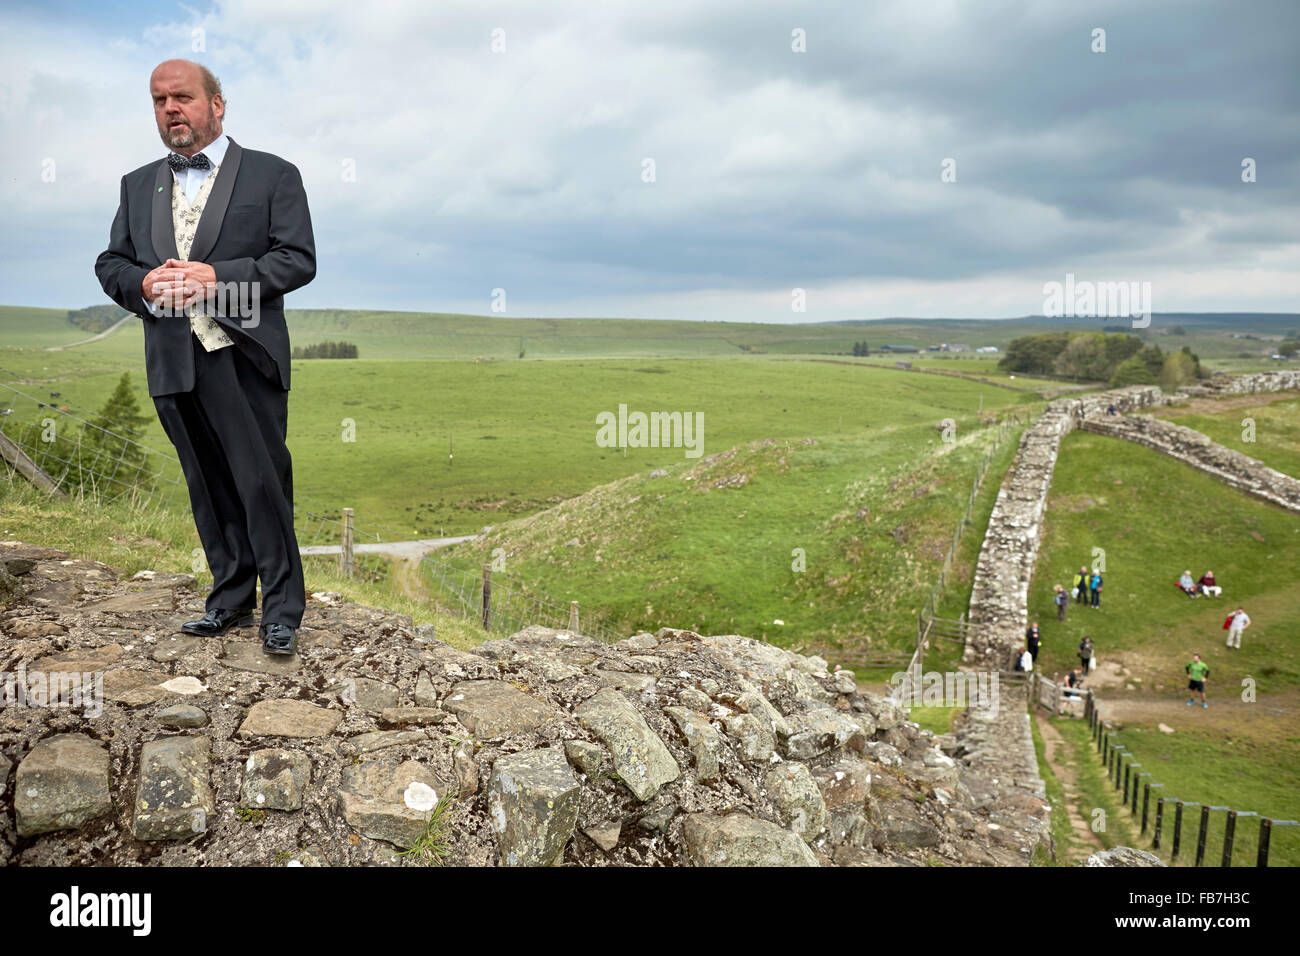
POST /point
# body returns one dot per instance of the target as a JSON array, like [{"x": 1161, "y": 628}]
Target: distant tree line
[
  {"x": 1120, "y": 359},
  {"x": 327, "y": 350},
  {"x": 860, "y": 348},
  {"x": 96, "y": 318}
]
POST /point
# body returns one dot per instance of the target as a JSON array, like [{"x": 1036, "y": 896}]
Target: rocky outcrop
[
  {"x": 1123, "y": 856},
  {"x": 548, "y": 748}
]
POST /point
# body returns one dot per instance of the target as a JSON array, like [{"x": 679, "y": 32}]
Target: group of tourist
[
  {"x": 1204, "y": 585},
  {"x": 1086, "y": 591}
]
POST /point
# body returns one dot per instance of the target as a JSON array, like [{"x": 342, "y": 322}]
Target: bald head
[{"x": 187, "y": 105}]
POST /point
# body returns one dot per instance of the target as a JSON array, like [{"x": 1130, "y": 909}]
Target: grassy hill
[
  {"x": 408, "y": 335},
  {"x": 712, "y": 544}
]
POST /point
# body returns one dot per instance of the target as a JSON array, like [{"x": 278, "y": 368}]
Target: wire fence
[
  {"x": 61, "y": 448},
  {"x": 504, "y": 605},
  {"x": 936, "y": 592},
  {"x": 66, "y": 451}
]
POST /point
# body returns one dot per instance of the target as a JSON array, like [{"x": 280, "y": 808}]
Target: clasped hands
[{"x": 177, "y": 284}]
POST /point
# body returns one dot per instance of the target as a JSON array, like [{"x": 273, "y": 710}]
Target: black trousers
[{"x": 229, "y": 434}]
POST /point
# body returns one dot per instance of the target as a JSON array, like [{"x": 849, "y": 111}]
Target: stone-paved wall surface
[
  {"x": 1193, "y": 448},
  {"x": 667, "y": 749}
]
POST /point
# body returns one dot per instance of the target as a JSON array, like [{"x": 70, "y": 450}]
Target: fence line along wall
[
  {"x": 1010, "y": 422},
  {"x": 1122, "y": 772}
]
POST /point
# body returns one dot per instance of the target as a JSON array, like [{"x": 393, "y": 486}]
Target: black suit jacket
[{"x": 255, "y": 228}]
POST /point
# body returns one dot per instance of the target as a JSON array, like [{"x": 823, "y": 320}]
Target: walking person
[
  {"x": 1032, "y": 641},
  {"x": 208, "y": 218},
  {"x": 1085, "y": 654},
  {"x": 1062, "y": 601},
  {"x": 1197, "y": 674},
  {"x": 1237, "y": 623},
  {"x": 1081, "y": 586},
  {"x": 1094, "y": 589}
]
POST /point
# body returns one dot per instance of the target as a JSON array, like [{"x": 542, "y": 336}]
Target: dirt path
[
  {"x": 406, "y": 575},
  {"x": 94, "y": 338},
  {"x": 1053, "y": 747},
  {"x": 1269, "y": 718}
]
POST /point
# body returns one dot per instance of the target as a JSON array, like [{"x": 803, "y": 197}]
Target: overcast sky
[{"x": 523, "y": 168}]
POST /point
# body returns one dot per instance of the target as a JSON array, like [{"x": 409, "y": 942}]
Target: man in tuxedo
[{"x": 204, "y": 246}]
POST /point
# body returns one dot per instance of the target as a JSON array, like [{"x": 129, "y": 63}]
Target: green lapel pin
[{"x": 160, "y": 189}]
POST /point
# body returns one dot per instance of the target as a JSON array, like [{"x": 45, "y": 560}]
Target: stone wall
[
  {"x": 1282, "y": 380},
  {"x": 672, "y": 748},
  {"x": 1000, "y": 592},
  {"x": 1193, "y": 448},
  {"x": 999, "y": 598}
]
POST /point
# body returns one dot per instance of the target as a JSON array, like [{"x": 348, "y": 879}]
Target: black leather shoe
[
  {"x": 279, "y": 638},
  {"x": 217, "y": 621}
]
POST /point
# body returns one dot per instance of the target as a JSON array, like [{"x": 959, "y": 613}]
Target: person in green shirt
[{"x": 1197, "y": 673}]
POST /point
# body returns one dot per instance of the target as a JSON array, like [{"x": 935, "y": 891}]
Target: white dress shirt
[{"x": 191, "y": 181}]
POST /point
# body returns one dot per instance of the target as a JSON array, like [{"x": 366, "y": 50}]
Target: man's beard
[{"x": 187, "y": 135}]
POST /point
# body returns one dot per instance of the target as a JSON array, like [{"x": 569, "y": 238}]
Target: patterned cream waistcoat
[{"x": 185, "y": 220}]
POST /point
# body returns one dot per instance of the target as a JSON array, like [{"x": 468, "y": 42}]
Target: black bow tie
[{"x": 178, "y": 162}]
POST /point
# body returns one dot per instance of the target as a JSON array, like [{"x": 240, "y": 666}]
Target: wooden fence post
[
  {"x": 573, "y": 616},
  {"x": 345, "y": 555},
  {"x": 1229, "y": 831},
  {"x": 1202, "y": 834},
  {"x": 487, "y": 597}
]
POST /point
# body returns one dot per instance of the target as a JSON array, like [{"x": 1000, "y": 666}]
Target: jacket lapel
[
  {"x": 162, "y": 229},
  {"x": 205, "y": 237}
]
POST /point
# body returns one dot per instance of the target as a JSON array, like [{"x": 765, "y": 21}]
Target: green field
[{"x": 1155, "y": 517}]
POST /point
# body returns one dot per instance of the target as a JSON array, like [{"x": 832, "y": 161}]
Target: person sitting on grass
[
  {"x": 1188, "y": 585},
  {"x": 1197, "y": 674},
  {"x": 1208, "y": 587}
]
